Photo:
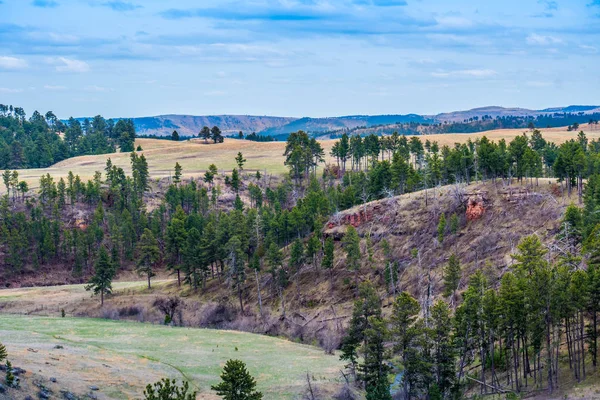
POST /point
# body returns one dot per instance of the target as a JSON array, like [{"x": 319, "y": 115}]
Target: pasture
[{"x": 120, "y": 358}]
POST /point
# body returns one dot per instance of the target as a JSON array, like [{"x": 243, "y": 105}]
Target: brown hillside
[{"x": 317, "y": 306}]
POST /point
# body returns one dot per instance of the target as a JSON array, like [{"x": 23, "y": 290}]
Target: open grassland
[
  {"x": 195, "y": 156},
  {"x": 122, "y": 357}
]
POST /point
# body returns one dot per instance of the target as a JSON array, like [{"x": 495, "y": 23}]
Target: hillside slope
[{"x": 317, "y": 303}]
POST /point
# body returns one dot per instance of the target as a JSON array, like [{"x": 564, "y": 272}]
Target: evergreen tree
[
  {"x": 328, "y": 257},
  {"x": 175, "y": 136},
  {"x": 351, "y": 243},
  {"x": 205, "y": 133},
  {"x": 216, "y": 135},
  {"x": 3, "y": 353},
  {"x": 177, "y": 176},
  {"x": 104, "y": 272},
  {"x": 366, "y": 306},
  {"x": 454, "y": 223},
  {"x": 148, "y": 254},
  {"x": 235, "y": 180},
  {"x": 452, "y": 275},
  {"x": 240, "y": 160},
  {"x": 237, "y": 383},
  {"x": 441, "y": 229},
  {"x": 176, "y": 241},
  {"x": 167, "y": 389}
]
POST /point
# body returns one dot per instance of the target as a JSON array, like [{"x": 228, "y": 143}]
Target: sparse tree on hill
[
  {"x": 351, "y": 244},
  {"x": 452, "y": 276},
  {"x": 237, "y": 383},
  {"x": 205, "y": 133},
  {"x": 177, "y": 176},
  {"x": 176, "y": 242},
  {"x": 441, "y": 229},
  {"x": 104, "y": 272},
  {"x": 149, "y": 254},
  {"x": 454, "y": 223},
  {"x": 216, "y": 134},
  {"x": 240, "y": 160},
  {"x": 3, "y": 353},
  {"x": 328, "y": 258},
  {"x": 169, "y": 390},
  {"x": 235, "y": 180}
]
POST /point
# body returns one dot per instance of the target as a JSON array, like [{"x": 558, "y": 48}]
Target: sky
[{"x": 296, "y": 57}]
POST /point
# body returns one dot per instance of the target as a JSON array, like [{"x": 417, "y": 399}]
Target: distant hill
[
  {"x": 324, "y": 125},
  {"x": 281, "y": 127},
  {"x": 189, "y": 125}
]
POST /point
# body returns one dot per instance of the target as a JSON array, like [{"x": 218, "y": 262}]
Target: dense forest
[
  {"x": 43, "y": 140},
  {"x": 503, "y": 336}
]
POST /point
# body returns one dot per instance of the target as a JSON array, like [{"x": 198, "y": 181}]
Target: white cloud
[
  {"x": 215, "y": 93},
  {"x": 590, "y": 49},
  {"x": 453, "y": 22},
  {"x": 101, "y": 89},
  {"x": 475, "y": 73},
  {"x": 55, "y": 87},
  {"x": 12, "y": 63},
  {"x": 539, "y": 84},
  {"x": 10, "y": 91},
  {"x": 64, "y": 64},
  {"x": 540, "y": 40}
]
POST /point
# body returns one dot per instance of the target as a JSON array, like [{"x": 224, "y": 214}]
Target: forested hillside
[
  {"x": 43, "y": 140},
  {"x": 458, "y": 285}
]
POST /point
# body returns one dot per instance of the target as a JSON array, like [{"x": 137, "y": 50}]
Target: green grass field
[{"x": 122, "y": 357}]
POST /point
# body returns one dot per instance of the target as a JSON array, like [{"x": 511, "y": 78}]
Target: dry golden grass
[{"x": 195, "y": 156}]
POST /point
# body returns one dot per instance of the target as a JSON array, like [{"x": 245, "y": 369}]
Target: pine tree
[
  {"x": 3, "y": 353},
  {"x": 235, "y": 180},
  {"x": 177, "y": 176},
  {"x": 104, "y": 272},
  {"x": 237, "y": 383},
  {"x": 454, "y": 223},
  {"x": 441, "y": 229},
  {"x": 167, "y": 389},
  {"x": 313, "y": 248},
  {"x": 442, "y": 347},
  {"x": 328, "y": 258},
  {"x": 366, "y": 306},
  {"x": 237, "y": 265},
  {"x": 148, "y": 253},
  {"x": 215, "y": 133},
  {"x": 452, "y": 276},
  {"x": 11, "y": 380},
  {"x": 176, "y": 241},
  {"x": 373, "y": 370},
  {"x": 175, "y": 136},
  {"x": 240, "y": 160},
  {"x": 205, "y": 133},
  {"x": 351, "y": 243}
]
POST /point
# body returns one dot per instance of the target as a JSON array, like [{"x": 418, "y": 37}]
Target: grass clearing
[{"x": 122, "y": 357}]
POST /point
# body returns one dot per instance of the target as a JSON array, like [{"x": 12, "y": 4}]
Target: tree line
[{"x": 43, "y": 139}]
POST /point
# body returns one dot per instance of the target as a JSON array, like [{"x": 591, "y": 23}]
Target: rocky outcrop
[
  {"x": 356, "y": 218},
  {"x": 475, "y": 208}
]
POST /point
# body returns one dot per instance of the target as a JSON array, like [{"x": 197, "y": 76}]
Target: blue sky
[{"x": 296, "y": 57}]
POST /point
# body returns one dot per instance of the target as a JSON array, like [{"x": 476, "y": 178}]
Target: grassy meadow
[{"x": 122, "y": 357}]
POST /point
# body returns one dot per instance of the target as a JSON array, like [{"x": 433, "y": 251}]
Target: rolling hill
[{"x": 280, "y": 127}]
